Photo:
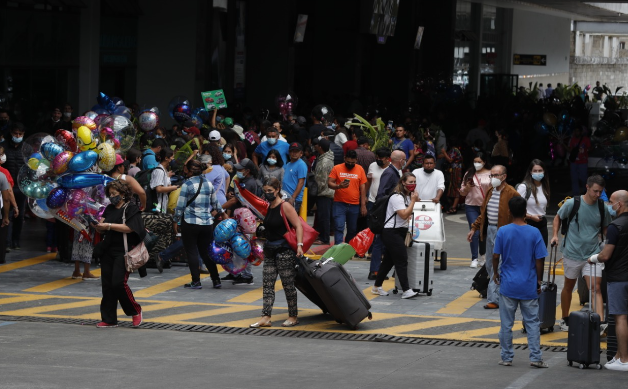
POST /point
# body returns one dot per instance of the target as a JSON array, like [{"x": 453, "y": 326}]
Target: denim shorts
[{"x": 618, "y": 298}]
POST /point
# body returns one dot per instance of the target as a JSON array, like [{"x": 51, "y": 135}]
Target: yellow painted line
[
  {"x": 181, "y": 318},
  {"x": 471, "y": 334},
  {"x": 387, "y": 285},
  {"x": 461, "y": 304},
  {"x": 54, "y": 285},
  {"x": 168, "y": 285},
  {"x": 27, "y": 262},
  {"x": 22, "y": 299},
  {"x": 253, "y": 295},
  {"x": 55, "y": 307},
  {"x": 405, "y": 328},
  {"x": 156, "y": 306}
]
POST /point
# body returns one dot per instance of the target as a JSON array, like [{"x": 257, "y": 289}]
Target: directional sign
[{"x": 529, "y": 59}]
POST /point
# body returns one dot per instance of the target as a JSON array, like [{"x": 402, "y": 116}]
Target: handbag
[
  {"x": 138, "y": 256},
  {"x": 309, "y": 234},
  {"x": 408, "y": 241}
]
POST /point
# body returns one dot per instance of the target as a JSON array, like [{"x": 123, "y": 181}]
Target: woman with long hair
[
  {"x": 475, "y": 185},
  {"x": 272, "y": 166},
  {"x": 401, "y": 206},
  {"x": 278, "y": 256},
  {"x": 196, "y": 210},
  {"x": 535, "y": 188}
]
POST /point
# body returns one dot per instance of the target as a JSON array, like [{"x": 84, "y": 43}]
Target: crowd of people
[{"x": 277, "y": 158}]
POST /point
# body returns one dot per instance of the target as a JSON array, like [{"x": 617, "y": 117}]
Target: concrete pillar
[
  {"x": 89, "y": 65},
  {"x": 587, "y": 45},
  {"x": 607, "y": 48},
  {"x": 615, "y": 48},
  {"x": 578, "y": 51}
]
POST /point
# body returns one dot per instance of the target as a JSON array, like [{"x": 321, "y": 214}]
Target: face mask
[
  {"x": 271, "y": 161},
  {"x": 379, "y": 162},
  {"x": 3, "y": 159},
  {"x": 115, "y": 200},
  {"x": 226, "y": 156},
  {"x": 183, "y": 132},
  {"x": 157, "y": 136},
  {"x": 538, "y": 176},
  {"x": 240, "y": 175},
  {"x": 478, "y": 166},
  {"x": 67, "y": 114},
  {"x": 611, "y": 210},
  {"x": 349, "y": 165},
  {"x": 411, "y": 187},
  {"x": 270, "y": 196},
  {"x": 428, "y": 171},
  {"x": 55, "y": 120},
  {"x": 222, "y": 147},
  {"x": 333, "y": 126},
  {"x": 17, "y": 140},
  {"x": 272, "y": 141},
  {"x": 495, "y": 182}
]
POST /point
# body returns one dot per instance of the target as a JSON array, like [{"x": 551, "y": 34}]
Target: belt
[{"x": 492, "y": 225}]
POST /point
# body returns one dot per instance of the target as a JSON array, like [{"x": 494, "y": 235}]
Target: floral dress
[{"x": 455, "y": 172}]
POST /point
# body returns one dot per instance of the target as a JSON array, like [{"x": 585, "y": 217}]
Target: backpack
[
  {"x": 528, "y": 190},
  {"x": 377, "y": 215},
  {"x": 564, "y": 223},
  {"x": 481, "y": 281},
  {"x": 143, "y": 178}
]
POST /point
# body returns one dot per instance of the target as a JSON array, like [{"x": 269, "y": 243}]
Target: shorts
[
  {"x": 618, "y": 298},
  {"x": 575, "y": 269}
]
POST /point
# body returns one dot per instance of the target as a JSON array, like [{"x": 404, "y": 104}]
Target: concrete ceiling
[{"x": 573, "y": 9}]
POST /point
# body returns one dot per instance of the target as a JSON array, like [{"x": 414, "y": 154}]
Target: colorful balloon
[
  {"x": 61, "y": 162},
  {"x": 85, "y": 139},
  {"x": 34, "y": 143},
  {"x": 176, "y": 101},
  {"x": 50, "y": 150},
  {"x": 148, "y": 121},
  {"x": 236, "y": 266},
  {"x": 39, "y": 208},
  {"x": 83, "y": 161},
  {"x": 240, "y": 245},
  {"x": 83, "y": 180},
  {"x": 220, "y": 253},
  {"x": 106, "y": 157},
  {"x": 246, "y": 220},
  {"x": 36, "y": 183},
  {"x": 57, "y": 197},
  {"x": 257, "y": 251},
  {"x": 225, "y": 230},
  {"x": 123, "y": 131},
  {"x": 182, "y": 112},
  {"x": 75, "y": 203},
  {"x": 83, "y": 121},
  {"x": 91, "y": 114},
  {"x": 123, "y": 111},
  {"x": 67, "y": 139}
]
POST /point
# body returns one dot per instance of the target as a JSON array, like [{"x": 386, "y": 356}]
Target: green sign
[{"x": 214, "y": 99}]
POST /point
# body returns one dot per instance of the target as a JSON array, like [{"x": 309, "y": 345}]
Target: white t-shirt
[
  {"x": 534, "y": 208},
  {"x": 427, "y": 185},
  {"x": 160, "y": 177},
  {"x": 340, "y": 139},
  {"x": 4, "y": 185},
  {"x": 374, "y": 173},
  {"x": 396, "y": 203}
]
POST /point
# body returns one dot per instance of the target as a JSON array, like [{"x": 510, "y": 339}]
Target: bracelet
[
  {"x": 299, "y": 244},
  {"x": 109, "y": 227}
]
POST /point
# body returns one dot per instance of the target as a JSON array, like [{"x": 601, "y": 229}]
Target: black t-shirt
[
  {"x": 617, "y": 267},
  {"x": 275, "y": 226},
  {"x": 316, "y": 130},
  {"x": 133, "y": 220}
]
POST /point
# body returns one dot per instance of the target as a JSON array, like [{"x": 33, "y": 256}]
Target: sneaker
[
  {"x": 372, "y": 276},
  {"x": 137, "y": 320},
  {"x": 564, "y": 325},
  {"x": 48, "y": 249},
  {"x": 239, "y": 280},
  {"x": 193, "y": 285},
  {"x": 540, "y": 364},
  {"x": 408, "y": 294},
  {"x": 160, "y": 264},
  {"x": 102, "y": 324},
  {"x": 228, "y": 277},
  {"x": 603, "y": 327},
  {"x": 378, "y": 290},
  {"x": 505, "y": 363},
  {"x": 474, "y": 264},
  {"x": 482, "y": 260},
  {"x": 610, "y": 362},
  {"x": 617, "y": 365},
  {"x": 217, "y": 284}
]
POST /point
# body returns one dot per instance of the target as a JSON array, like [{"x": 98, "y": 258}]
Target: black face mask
[
  {"x": 270, "y": 196},
  {"x": 115, "y": 200},
  {"x": 349, "y": 165},
  {"x": 428, "y": 171},
  {"x": 379, "y": 162}
]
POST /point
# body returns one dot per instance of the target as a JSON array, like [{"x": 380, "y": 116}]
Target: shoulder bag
[
  {"x": 138, "y": 256},
  {"x": 309, "y": 234}
]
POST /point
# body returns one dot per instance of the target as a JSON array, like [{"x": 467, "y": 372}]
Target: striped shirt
[
  {"x": 492, "y": 208},
  {"x": 199, "y": 211}
]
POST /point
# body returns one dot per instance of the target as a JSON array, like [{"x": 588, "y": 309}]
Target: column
[{"x": 89, "y": 65}]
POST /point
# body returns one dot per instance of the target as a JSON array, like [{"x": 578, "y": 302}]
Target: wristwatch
[{"x": 299, "y": 244}]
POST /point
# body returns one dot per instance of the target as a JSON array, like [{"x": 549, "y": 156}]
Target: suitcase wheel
[
  {"x": 598, "y": 366},
  {"x": 395, "y": 291},
  {"x": 570, "y": 363},
  {"x": 429, "y": 293},
  {"x": 582, "y": 366},
  {"x": 370, "y": 316}
]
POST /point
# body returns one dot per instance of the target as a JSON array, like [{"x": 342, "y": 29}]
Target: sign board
[
  {"x": 214, "y": 99},
  {"x": 529, "y": 59}
]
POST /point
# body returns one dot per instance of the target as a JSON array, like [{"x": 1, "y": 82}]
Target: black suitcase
[
  {"x": 337, "y": 290},
  {"x": 303, "y": 285},
  {"x": 583, "y": 291},
  {"x": 547, "y": 298},
  {"x": 583, "y": 344},
  {"x": 480, "y": 281}
]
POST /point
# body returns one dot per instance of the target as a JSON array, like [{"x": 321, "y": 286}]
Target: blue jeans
[
  {"x": 323, "y": 217},
  {"x": 172, "y": 251},
  {"x": 530, "y": 314},
  {"x": 345, "y": 214},
  {"x": 377, "y": 247},
  {"x": 493, "y": 288},
  {"x": 578, "y": 177},
  {"x": 473, "y": 211}
]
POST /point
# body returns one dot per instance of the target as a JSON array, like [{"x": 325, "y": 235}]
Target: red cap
[
  {"x": 119, "y": 160},
  {"x": 193, "y": 130}
]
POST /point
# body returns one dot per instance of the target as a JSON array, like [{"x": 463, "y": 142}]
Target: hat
[
  {"x": 119, "y": 160},
  {"x": 228, "y": 122},
  {"x": 362, "y": 140},
  {"x": 238, "y": 128},
  {"x": 295, "y": 146},
  {"x": 301, "y": 120},
  {"x": 245, "y": 163},
  {"x": 214, "y": 135},
  {"x": 193, "y": 130},
  {"x": 329, "y": 133}
]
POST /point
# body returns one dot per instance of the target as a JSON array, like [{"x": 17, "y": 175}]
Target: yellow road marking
[
  {"x": 22, "y": 299},
  {"x": 253, "y": 295},
  {"x": 54, "y": 285},
  {"x": 471, "y": 334},
  {"x": 461, "y": 304},
  {"x": 181, "y": 318},
  {"x": 166, "y": 286},
  {"x": 55, "y": 307},
  {"x": 405, "y": 328},
  {"x": 27, "y": 262},
  {"x": 155, "y": 306},
  {"x": 387, "y": 285}
]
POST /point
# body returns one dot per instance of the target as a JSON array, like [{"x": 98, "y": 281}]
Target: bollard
[{"x": 303, "y": 212}]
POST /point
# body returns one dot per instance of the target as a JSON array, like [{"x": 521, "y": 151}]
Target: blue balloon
[
  {"x": 83, "y": 180},
  {"x": 201, "y": 113},
  {"x": 42, "y": 204},
  {"x": 220, "y": 253},
  {"x": 50, "y": 150},
  {"x": 117, "y": 101},
  {"x": 225, "y": 230},
  {"x": 182, "y": 112},
  {"x": 83, "y": 161},
  {"x": 103, "y": 99},
  {"x": 57, "y": 197},
  {"x": 241, "y": 245},
  {"x": 198, "y": 122}
]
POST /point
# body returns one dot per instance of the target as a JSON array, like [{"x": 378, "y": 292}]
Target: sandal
[
  {"x": 261, "y": 324},
  {"x": 289, "y": 323},
  {"x": 452, "y": 211}
]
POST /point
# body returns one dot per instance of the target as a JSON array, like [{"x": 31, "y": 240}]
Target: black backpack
[
  {"x": 564, "y": 223},
  {"x": 481, "y": 281},
  {"x": 143, "y": 178},
  {"x": 528, "y": 190},
  {"x": 377, "y": 215}
]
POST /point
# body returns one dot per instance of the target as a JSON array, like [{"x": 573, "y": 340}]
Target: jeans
[
  {"x": 196, "y": 240},
  {"x": 493, "y": 288},
  {"x": 396, "y": 255},
  {"x": 530, "y": 313},
  {"x": 473, "y": 211},
  {"x": 578, "y": 177},
  {"x": 377, "y": 247},
  {"x": 297, "y": 206},
  {"x": 345, "y": 213},
  {"x": 323, "y": 217},
  {"x": 172, "y": 251}
]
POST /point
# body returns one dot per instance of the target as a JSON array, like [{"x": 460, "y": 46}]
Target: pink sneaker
[
  {"x": 137, "y": 320},
  {"x": 102, "y": 324}
]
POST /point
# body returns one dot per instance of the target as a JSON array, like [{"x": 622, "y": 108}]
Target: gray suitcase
[{"x": 420, "y": 269}]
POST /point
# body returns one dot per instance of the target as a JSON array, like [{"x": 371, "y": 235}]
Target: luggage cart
[{"x": 428, "y": 226}]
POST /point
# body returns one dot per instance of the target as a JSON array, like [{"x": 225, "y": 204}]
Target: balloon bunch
[
  {"x": 286, "y": 102},
  {"x": 108, "y": 107},
  {"x": 231, "y": 248},
  {"x": 58, "y": 176},
  {"x": 180, "y": 109},
  {"x": 559, "y": 129}
]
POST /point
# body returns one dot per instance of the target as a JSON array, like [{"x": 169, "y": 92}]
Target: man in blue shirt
[
  {"x": 271, "y": 143},
  {"x": 149, "y": 161},
  {"x": 400, "y": 142},
  {"x": 295, "y": 173},
  {"x": 519, "y": 274}
]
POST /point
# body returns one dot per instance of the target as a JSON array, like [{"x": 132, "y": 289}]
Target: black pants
[
  {"x": 395, "y": 254},
  {"x": 115, "y": 288},
  {"x": 541, "y": 226},
  {"x": 15, "y": 230},
  {"x": 3, "y": 243},
  {"x": 323, "y": 217},
  {"x": 196, "y": 241}
]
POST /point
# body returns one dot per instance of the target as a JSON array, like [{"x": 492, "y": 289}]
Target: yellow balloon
[
  {"x": 106, "y": 156},
  {"x": 84, "y": 138},
  {"x": 33, "y": 163}
]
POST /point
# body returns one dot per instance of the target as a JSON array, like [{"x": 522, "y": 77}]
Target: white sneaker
[
  {"x": 474, "y": 264},
  {"x": 610, "y": 362},
  {"x": 603, "y": 327},
  {"x": 408, "y": 294},
  {"x": 482, "y": 260},
  {"x": 563, "y": 325},
  {"x": 617, "y": 365},
  {"x": 379, "y": 291}
]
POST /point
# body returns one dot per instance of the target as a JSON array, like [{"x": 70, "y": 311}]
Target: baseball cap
[
  {"x": 301, "y": 120},
  {"x": 119, "y": 160},
  {"x": 228, "y": 122},
  {"x": 295, "y": 146},
  {"x": 193, "y": 130},
  {"x": 238, "y": 128},
  {"x": 214, "y": 135},
  {"x": 245, "y": 163}
]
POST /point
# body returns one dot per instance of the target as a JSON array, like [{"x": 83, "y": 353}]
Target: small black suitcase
[
  {"x": 303, "y": 285},
  {"x": 547, "y": 298},
  {"x": 480, "y": 281},
  {"x": 337, "y": 290},
  {"x": 583, "y": 344}
]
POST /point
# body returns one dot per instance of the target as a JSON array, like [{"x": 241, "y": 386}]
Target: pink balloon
[{"x": 75, "y": 204}]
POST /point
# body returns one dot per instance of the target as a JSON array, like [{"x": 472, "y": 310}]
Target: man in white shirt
[{"x": 430, "y": 182}]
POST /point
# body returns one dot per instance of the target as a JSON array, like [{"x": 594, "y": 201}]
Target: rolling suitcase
[
  {"x": 420, "y": 269},
  {"x": 162, "y": 225},
  {"x": 583, "y": 344},
  {"x": 337, "y": 290},
  {"x": 547, "y": 298},
  {"x": 303, "y": 285}
]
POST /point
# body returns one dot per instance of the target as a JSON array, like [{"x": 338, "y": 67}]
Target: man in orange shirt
[{"x": 349, "y": 182}]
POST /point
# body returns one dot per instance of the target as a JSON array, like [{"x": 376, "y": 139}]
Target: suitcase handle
[{"x": 592, "y": 289}]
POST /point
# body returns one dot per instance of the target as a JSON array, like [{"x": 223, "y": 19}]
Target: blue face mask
[
  {"x": 17, "y": 140},
  {"x": 272, "y": 141},
  {"x": 333, "y": 126},
  {"x": 538, "y": 176},
  {"x": 611, "y": 210},
  {"x": 271, "y": 161},
  {"x": 226, "y": 156},
  {"x": 157, "y": 136},
  {"x": 183, "y": 132},
  {"x": 240, "y": 175}
]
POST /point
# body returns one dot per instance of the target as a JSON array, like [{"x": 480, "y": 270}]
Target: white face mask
[
  {"x": 495, "y": 182},
  {"x": 67, "y": 114},
  {"x": 3, "y": 158},
  {"x": 478, "y": 166}
]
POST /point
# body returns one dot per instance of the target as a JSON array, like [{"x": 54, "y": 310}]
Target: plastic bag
[{"x": 362, "y": 241}]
